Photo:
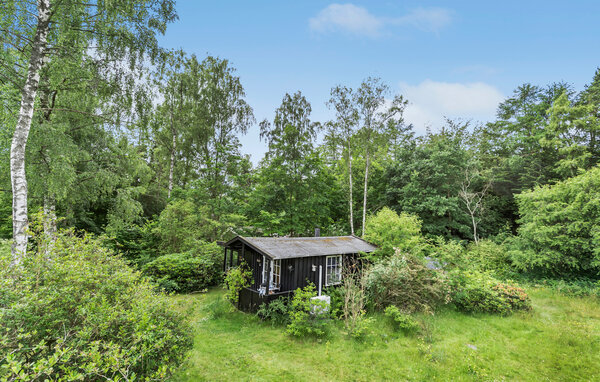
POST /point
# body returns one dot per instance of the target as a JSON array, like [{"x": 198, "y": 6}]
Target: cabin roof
[{"x": 293, "y": 247}]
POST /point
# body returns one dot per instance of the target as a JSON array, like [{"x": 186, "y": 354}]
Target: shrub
[
  {"x": 178, "y": 226},
  {"x": 487, "y": 256},
  {"x": 388, "y": 230},
  {"x": 514, "y": 296},
  {"x": 559, "y": 231},
  {"x": 353, "y": 293},
  {"x": 303, "y": 322},
  {"x": 83, "y": 314},
  {"x": 402, "y": 321},
  {"x": 187, "y": 272},
  {"x": 405, "y": 281},
  {"x": 447, "y": 253},
  {"x": 276, "y": 311},
  {"x": 479, "y": 292},
  {"x": 336, "y": 307},
  {"x": 236, "y": 279}
]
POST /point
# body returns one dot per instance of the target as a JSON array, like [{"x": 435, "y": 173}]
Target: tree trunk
[
  {"x": 364, "y": 216},
  {"x": 350, "y": 201},
  {"x": 172, "y": 165},
  {"x": 49, "y": 224},
  {"x": 475, "y": 230},
  {"x": 17, "y": 149}
]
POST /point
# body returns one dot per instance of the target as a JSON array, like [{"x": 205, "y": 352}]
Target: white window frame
[
  {"x": 337, "y": 268},
  {"x": 274, "y": 264}
]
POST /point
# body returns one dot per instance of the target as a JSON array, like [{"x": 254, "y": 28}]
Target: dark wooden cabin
[{"x": 281, "y": 264}]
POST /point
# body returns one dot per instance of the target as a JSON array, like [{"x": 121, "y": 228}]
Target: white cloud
[
  {"x": 431, "y": 101},
  {"x": 348, "y": 18},
  {"x": 428, "y": 19},
  {"x": 357, "y": 20}
]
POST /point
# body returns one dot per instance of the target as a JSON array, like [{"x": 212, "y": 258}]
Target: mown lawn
[{"x": 558, "y": 341}]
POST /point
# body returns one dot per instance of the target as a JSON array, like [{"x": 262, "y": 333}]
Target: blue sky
[{"x": 448, "y": 58}]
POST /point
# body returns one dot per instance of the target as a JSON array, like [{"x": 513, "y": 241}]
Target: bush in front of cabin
[
  {"x": 80, "y": 313},
  {"x": 406, "y": 282},
  {"x": 308, "y": 318},
  {"x": 236, "y": 279},
  {"x": 402, "y": 321},
  {"x": 187, "y": 272},
  {"x": 277, "y": 311},
  {"x": 353, "y": 304},
  {"x": 479, "y": 292}
]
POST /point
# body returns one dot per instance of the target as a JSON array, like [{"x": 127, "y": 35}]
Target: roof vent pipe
[{"x": 317, "y": 232}]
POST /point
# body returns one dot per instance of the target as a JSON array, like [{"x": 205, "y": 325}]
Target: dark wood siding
[{"x": 251, "y": 258}]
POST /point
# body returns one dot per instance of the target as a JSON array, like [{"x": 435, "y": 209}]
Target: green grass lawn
[{"x": 558, "y": 341}]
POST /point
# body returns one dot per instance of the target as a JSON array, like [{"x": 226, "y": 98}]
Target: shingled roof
[{"x": 293, "y": 247}]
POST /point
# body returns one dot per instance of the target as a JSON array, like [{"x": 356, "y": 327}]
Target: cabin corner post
[
  {"x": 224, "y": 259},
  {"x": 268, "y": 266}
]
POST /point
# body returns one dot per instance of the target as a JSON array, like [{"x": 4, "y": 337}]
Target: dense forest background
[{"x": 164, "y": 169}]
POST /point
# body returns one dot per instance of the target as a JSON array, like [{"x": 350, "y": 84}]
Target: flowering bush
[{"x": 514, "y": 296}]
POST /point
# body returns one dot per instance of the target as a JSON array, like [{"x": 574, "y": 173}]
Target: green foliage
[
  {"x": 136, "y": 243},
  {"x": 354, "y": 301},
  {"x": 187, "y": 272},
  {"x": 425, "y": 177},
  {"x": 178, "y": 226},
  {"x": 572, "y": 287},
  {"x": 307, "y": 317},
  {"x": 560, "y": 227},
  {"x": 277, "y": 311},
  {"x": 402, "y": 321},
  {"x": 405, "y": 281},
  {"x": 487, "y": 256},
  {"x": 388, "y": 231},
  {"x": 80, "y": 313},
  {"x": 478, "y": 292},
  {"x": 236, "y": 279},
  {"x": 336, "y": 305}
]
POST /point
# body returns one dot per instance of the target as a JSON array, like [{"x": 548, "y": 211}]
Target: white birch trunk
[
  {"x": 364, "y": 216},
  {"x": 172, "y": 165},
  {"x": 19, "y": 141}
]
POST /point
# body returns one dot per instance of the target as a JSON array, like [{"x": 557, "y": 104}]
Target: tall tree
[
  {"x": 375, "y": 115},
  {"x": 342, "y": 130},
  {"x": 291, "y": 164},
  {"x": 105, "y": 32}
]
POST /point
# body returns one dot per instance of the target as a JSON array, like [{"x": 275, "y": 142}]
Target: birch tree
[
  {"x": 344, "y": 126},
  {"x": 375, "y": 114},
  {"x": 473, "y": 199},
  {"x": 119, "y": 34}
]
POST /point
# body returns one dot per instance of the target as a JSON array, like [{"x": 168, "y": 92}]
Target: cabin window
[
  {"x": 333, "y": 270},
  {"x": 275, "y": 273}
]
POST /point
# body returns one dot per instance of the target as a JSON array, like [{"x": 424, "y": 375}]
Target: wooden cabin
[{"x": 280, "y": 265}]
